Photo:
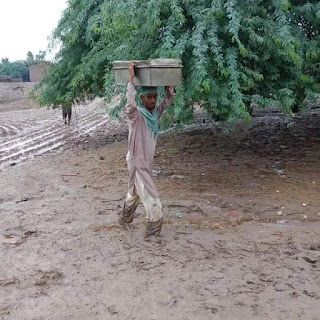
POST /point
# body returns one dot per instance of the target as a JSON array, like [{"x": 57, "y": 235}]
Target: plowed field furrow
[
  {"x": 27, "y": 135},
  {"x": 45, "y": 141}
]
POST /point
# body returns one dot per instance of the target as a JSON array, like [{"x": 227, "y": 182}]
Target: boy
[
  {"x": 66, "y": 112},
  {"x": 143, "y": 120}
]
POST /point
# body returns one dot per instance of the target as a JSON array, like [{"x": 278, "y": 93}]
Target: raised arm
[
  {"x": 131, "y": 106},
  {"x": 168, "y": 99}
]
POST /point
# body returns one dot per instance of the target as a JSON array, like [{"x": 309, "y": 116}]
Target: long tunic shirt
[{"x": 141, "y": 142}]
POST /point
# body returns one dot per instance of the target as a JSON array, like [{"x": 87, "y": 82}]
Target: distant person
[
  {"x": 143, "y": 120},
  {"x": 66, "y": 113}
]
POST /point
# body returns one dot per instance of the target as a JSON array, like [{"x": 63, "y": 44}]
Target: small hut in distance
[{"x": 37, "y": 72}]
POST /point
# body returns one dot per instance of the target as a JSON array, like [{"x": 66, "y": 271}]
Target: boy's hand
[
  {"x": 132, "y": 73},
  {"x": 171, "y": 90}
]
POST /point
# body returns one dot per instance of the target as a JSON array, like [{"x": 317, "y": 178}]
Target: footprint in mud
[
  {"x": 16, "y": 240},
  {"x": 13, "y": 240},
  {"x": 38, "y": 278},
  {"x": 313, "y": 246},
  {"x": 7, "y": 282},
  {"x": 4, "y": 310},
  {"x": 45, "y": 278}
]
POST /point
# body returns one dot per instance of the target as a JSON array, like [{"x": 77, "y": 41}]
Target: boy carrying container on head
[{"x": 143, "y": 120}]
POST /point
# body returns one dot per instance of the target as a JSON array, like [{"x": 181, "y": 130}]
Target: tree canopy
[
  {"x": 19, "y": 69},
  {"x": 16, "y": 69},
  {"x": 234, "y": 52},
  {"x": 38, "y": 58}
]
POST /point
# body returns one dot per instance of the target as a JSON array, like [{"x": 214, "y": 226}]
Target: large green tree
[
  {"x": 234, "y": 52},
  {"x": 306, "y": 25},
  {"x": 80, "y": 65}
]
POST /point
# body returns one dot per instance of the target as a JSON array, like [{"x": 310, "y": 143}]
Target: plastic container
[{"x": 152, "y": 73}]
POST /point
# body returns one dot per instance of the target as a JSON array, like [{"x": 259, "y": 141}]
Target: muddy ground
[{"x": 241, "y": 238}]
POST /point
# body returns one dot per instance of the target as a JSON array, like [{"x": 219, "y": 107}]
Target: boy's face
[{"x": 149, "y": 101}]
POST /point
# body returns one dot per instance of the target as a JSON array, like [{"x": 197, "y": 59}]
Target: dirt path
[{"x": 241, "y": 238}]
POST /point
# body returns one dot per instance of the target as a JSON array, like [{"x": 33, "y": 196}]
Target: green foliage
[
  {"x": 39, "y": 58},
  {"x": 19, "y": 69},
  {"x": 306, "y": 26},
  {"x": 234, "y": 52},
  {"x": 80, "y": 65},
  {"x": 16, "y": 69}
]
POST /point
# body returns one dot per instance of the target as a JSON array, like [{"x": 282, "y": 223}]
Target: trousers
[{"x": 153, "y": 207}]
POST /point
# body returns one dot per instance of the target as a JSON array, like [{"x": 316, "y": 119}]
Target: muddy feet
[
  {"x": 127, "y": 226},
  {"x": 153, "y": 239},
  {"x": 153, "y": 228},
  {"x": 152, "y": 233}
]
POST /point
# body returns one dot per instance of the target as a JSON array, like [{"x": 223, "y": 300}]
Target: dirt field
[{"x": 241, "y": 238}]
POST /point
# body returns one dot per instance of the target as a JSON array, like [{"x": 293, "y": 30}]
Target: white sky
[{"x": 25, "y": 25}]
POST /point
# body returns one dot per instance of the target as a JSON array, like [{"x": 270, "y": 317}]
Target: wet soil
[{"x": 241, "y": 236}]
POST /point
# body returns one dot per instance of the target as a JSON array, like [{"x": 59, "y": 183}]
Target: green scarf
[{"x": 151, "y": 118}]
